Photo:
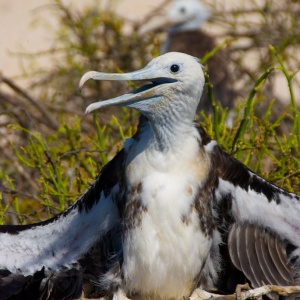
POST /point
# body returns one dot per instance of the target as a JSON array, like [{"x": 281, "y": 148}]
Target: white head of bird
[
  {"x": 187, "y": 15},
  {"x": 172, "y": 97}
]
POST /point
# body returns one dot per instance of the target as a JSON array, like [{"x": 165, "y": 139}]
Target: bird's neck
[
  {"x": 190, "y": 26},
  {"x": 168, "y": 135},
  {"x": 160, "y": 150}
]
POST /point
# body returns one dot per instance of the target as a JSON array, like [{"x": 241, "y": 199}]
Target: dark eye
[
  {"x": 182, "y": 10},
  {"x": 174, "y": 68}
]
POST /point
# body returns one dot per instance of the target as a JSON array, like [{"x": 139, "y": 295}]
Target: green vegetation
[{"x": 51, "y": 152}]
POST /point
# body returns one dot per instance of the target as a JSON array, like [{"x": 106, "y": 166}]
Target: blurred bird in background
[{"x": 183, "y": 22}]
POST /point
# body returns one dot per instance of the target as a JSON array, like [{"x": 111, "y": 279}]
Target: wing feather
[
  {"x": 65, "y": 283},
  {"x": 260, "y": 255},
  {"x": 256, "y": 271},
  {"x": 232, "y": 246},
  {"x": 280, "y": 260},
  {"x": 270, "y": 214}
]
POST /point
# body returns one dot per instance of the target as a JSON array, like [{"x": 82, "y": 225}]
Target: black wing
[
  {"x": 259, "y": 222},
  {"x": 67, "y": 282}
]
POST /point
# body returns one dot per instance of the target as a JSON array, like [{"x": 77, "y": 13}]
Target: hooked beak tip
[
  {"x": 93, "y": 107},
  {"x": 88, "y": 110},
  {"x": 85, "y": 78}
]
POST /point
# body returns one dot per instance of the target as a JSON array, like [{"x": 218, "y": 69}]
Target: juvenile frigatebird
[
  {"x": 184, "y": 21},
  {"x": 169, "y": 213}
]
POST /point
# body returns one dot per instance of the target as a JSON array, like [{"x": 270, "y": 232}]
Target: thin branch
[
  {"x": 81, "y": 151},
  {"x": 156, "y": 11},
  {"x": 242, "y": 294},
  {"x": 288, "y": 176},
  {"x": 269, "y": 289},
  {"x": 10, "y": 191},
  {"x": 20, "y": 91}
]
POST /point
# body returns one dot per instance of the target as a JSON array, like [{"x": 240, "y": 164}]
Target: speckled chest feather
[{"x": 168, "y": 221}]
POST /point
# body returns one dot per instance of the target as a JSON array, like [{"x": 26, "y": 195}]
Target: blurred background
[
  {"x": 29, "y": 26},
  {"x": 51, "y": 152}
]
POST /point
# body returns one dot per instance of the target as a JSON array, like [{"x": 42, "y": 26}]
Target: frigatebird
[
  {"x": 183, "y": 22},
  {"x": 171, "y": 212}
]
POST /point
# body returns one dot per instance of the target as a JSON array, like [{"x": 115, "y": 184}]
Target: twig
[
  {"x": 152, "y": 13},
  {"x": 10, "y": 191},
  {"x": 73, "y": 152},
  {"x": 20, "y": 91},
  {"x": 16, "y": 108},
  {"x": 242, "y": 294},
  {"x": 288, "y": 176},
  {"x": 268, "y": 289}
]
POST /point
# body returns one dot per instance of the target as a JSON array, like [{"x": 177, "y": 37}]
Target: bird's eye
[
  {"x": 174, "y": 68},
  {"x": 182, "y": 10}
]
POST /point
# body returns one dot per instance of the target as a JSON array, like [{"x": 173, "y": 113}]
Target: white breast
[{"x": 164, "y": 254}]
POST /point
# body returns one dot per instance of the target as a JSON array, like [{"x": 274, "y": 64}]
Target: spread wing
[
  {"x": 77, "y": 249},
  {"x": 85, "y": 259},
  {"x": 65, "y": 283},
  {"x": 263, "y": 221}
]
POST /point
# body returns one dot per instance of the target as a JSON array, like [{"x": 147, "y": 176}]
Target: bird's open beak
[{"x": 158, "y": 78}]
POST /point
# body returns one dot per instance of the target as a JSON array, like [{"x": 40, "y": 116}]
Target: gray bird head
[
  {"x": 187, "y": 15},
  {"x": 176, "y": 86},
  {"x": 181, "y": 15}
]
